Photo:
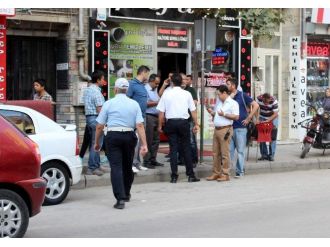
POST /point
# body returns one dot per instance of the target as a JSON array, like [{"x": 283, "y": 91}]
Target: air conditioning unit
[{"x": 258, "y": 57}]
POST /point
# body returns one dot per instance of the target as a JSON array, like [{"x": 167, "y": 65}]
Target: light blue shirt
[
  {"x": 152, "y": 96},
  {"x": 92, "y": 99},
  {"x": 120, "y": 111}
]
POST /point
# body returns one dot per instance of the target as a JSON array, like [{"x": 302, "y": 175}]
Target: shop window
[{"x": 21, "y": 120}]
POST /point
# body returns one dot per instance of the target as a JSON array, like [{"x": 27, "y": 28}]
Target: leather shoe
[
  {"x": 223, "y": 178},
  {"x": 150, "y": 166},
  {"x": 193, "y": 179},
  {"x": 120, "y": 204},
  {"x": 212, "y": 177},
  {"x": 174, "y": 178},
  {"x": 127, "y": 198},
  {"x": 271, "y": 158},
  {"x": 156, "y": 163}
]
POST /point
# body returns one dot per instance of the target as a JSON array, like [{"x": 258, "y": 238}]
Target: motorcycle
[{"x": 318, "y": 131}]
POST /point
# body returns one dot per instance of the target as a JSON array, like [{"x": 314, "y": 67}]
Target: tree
[{"x": 260, "y": 22}]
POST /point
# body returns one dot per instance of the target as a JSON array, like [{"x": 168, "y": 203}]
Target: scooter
[{"x": 318, "y": 131}]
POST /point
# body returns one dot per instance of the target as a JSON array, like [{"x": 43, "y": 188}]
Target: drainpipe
[{"x": 81, "y": 47}]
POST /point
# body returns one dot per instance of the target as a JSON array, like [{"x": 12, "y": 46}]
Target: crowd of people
[{"x": 128, "y": 126}]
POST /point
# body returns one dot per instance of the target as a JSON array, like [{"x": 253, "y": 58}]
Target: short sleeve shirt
[
  {"x": 93, "y": 98},
  {"x": 243, "y": 114},
  {"x": 176, "y": 103},
  {"x": 120, "y": 111},
  {"x": 45, "y": 97},
  {"x": 230, "y": 106},
  {"x": 138, "y": 92}
]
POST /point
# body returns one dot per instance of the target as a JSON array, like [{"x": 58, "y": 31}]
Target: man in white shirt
[
  {"x": 224, "y": 113},
  {"x": 173, "y": 106}
]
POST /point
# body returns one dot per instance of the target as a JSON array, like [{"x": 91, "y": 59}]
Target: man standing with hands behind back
[
  {"x": 174, "y": 106},
  {"x": 122, "y": 115}
]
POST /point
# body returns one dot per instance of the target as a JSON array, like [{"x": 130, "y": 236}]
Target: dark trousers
[
  {"x": 193, "y": 143},
  {"x": 85, "y": 143},
  {"x": 176, "y": 130},
  {"x": 120, "y": 153},
  {"x": 152, "y": 136}
]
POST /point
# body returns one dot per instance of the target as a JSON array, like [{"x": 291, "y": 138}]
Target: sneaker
[
  {"x": 142, "y": 168},
  {"x": 238, "y": 176},
  {"x": 134, "y": 169},
  {"x": 104, "y": 159},
  {"x": 105, "y": 169},
  {"x": 97, "y": 172}
]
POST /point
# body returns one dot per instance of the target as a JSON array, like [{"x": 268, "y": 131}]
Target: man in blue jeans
[
  {"x": 93, "y": 100},
  {"x": 238, "y": 141}
]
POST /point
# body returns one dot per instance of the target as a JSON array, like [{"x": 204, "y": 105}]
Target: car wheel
[
  {"x": 58, "y": 182},
  {"x": 14, "y": 215}
]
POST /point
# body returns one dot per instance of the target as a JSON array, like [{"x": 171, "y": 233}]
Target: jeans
[
  {"x": 238, "y": 142},
  {"x": 94, "y": 157},
  {"x": 179, "y": 130},
  {"x": 137, "y": 159},
  {"x": 120, "y": 152},
  {"x": 272, "y": 145}
]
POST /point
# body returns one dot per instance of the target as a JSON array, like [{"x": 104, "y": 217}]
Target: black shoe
[
  {"x": 174, "y": 179},
  {"x": 167, "y": 156},
  {"x": 271, "y": 158},
  {"x": 127, "y": 198},
  {"x": 156, "y": 164},
  {"x": 150, "y": 166},
  {"x": 193, "y": 179},
  {"x": 263, "y": 158},
  {"x": 120, "y": 204}
]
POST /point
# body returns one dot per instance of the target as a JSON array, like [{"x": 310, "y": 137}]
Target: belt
[
  {"x": 176, "y": 119},
  {"x": 222, "y": 127},
  {"x": 120, "y": 129},
  {"x": 91, "y": 115},
  {"x": 153, "y": 115}
]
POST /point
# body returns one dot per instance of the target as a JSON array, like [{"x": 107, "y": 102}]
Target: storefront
[
  {"x": 318, "y": 52},
  {"x": 158, "y": 38}
]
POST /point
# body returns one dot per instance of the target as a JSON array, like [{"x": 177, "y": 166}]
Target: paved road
[{"x": 291, "y": 204}]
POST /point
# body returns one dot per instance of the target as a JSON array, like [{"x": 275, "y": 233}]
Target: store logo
[{"x": 318, "y": 49}]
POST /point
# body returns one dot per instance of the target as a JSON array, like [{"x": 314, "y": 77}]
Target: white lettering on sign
[
  {"x": 162, "y": 11},
  {"x": 298, "y": 90}
]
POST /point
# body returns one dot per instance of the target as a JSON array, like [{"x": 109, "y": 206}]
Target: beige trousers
[{"x": 221, "y": 151}]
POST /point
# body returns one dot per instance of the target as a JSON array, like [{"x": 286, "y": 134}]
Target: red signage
[
  {"x": 2, "y": 58},
  {"x": 172, "y": 37},
  {"x": 318, "y": 49}
]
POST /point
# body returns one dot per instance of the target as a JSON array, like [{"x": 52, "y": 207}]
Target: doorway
[
  {"x": 29, "y": 58},
  {"x": 171, "y": 62}
]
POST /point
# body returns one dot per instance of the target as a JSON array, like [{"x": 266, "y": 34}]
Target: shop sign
[
  {"x": 219, "y": 56},
  {"x": 172, "y": 37},
  {"x": 297, "y": 94},
  {"x": 215, "y": 79},
  {"x": 318, "y": 49},
  {"x": 7, "y": 12},
  {"x": 3, "y": 58},
  {"x": 178, "y": 15}
]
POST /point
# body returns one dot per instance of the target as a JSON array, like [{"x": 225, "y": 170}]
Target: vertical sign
[
  {"x": 297, "y": 95},
  {"x": 3, "y": 80},
  {"x": 100, "y": 56},
  {"x": 245, "y": 65}
]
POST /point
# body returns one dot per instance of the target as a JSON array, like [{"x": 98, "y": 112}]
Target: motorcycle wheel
[{"x": 306, "y": 148}]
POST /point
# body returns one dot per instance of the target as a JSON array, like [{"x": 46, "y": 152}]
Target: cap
[{"x": 121, "y": 83}]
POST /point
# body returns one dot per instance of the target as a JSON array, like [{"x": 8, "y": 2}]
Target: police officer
[{"x": 122, "y": 116}]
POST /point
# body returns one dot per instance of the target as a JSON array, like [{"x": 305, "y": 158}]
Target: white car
[{"x": 59, "y": 149}]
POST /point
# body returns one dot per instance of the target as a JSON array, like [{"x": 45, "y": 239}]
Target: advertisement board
[{"x": 3, "y": 81}]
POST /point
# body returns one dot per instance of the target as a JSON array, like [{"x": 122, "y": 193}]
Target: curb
[{"x": 163, "y": 174}]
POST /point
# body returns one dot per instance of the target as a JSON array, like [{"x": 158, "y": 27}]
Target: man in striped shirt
[{"x": 268, "y": 112}]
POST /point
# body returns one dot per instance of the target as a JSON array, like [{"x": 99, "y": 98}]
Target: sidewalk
[{"x": 286, "y": 159}]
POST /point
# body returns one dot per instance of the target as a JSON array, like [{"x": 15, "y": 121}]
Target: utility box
[
  {"x": 78, "y": 93},
  {"x": 258, "y": 57}
]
